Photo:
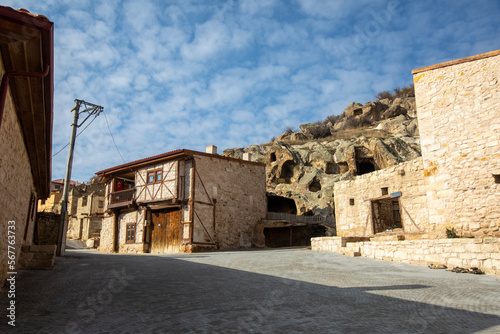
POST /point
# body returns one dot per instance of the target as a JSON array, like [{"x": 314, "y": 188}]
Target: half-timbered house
[{"x": 182, "y": 201}]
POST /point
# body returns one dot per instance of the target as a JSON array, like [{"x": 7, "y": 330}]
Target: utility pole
[{"x": 91, "y": 109}]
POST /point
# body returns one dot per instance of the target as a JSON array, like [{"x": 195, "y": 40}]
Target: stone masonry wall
[
  {"x": 126, "y": 217},
  {"x": 16, "y": 185},
  {"x": 107, "y": 236},
  {"x": 239, "y": 189},
  {"x": 458, "y": 109},
  {"x": 483, "y": 253},
  {"x": 354, "y": 219},
  {"x": 48, "y": 228}
]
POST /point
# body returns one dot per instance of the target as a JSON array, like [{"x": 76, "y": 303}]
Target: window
[
  {"x": 155, "y": 176},
  {"x": 100, "y": 204},
  {"x": 84, "y": 201},
  {"x": 151, "y": 177},
  {"x": 130, "y": 233},
  {"x": 385, "y": 191},
  {"x": 497, "y": 178},
  {"x": 43, "y": 201},
  {"x": 158, "y": 175},
  {"x": 351, "y": 201}
]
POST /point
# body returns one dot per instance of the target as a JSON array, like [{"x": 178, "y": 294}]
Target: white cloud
[{"x": 186, "y": 74}]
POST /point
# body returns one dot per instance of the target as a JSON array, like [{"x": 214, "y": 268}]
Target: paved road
[{"x": 258, "y": 291}]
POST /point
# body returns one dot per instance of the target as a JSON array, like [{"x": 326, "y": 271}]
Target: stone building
[
  {"x": 458, "y": 107},
  {"x": 53, "y": 202},
  {"x": 85, "y": 210},
  {"x": 453, "y": 190},
  {"x": 182, "y": 201},
  {"x": 26, "y": 110}
]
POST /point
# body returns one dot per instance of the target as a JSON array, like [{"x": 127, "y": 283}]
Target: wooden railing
[
  {"x": 300, "y": 219},
  {"x": 121, "y": 196}
]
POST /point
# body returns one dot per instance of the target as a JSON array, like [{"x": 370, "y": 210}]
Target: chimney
[
  {"x": 212, "y": 149},
  {"x": 247, "y": 156}
]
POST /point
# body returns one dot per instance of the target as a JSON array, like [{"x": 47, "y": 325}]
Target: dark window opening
[
  {"x": 43, "y": 201},
  {"x": 365, "y": 167},
  {"x": 497, "y": 178},
  {"x": 287, "y": 170},
  {"x": 351, "y": 201},
  {"x": 292, "y": 235},
  {"x": 100, "y": 204},
  {"x": 272, "y": 157},
  {"x": 315, "y": 186},
  {"x": 386, "y": 215},
  {"x": 331, "y": 168},
  {"x": 385, "y": 191},
  {"x": 358, "y": 112},
  {"x": 281, "y": 204},
  {"x": 84, "y": 201}
]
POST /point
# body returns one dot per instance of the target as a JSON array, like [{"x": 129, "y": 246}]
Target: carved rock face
[{"x": 306, "y": 173}]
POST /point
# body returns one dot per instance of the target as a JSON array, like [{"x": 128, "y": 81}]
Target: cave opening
[
  {"x": 331, "y": 168},
  {"x": 365, "y": 166},
  {"x": 281, "y": 204},
  {"x": 272, "y": 157},
  {"x": 287, "y": 170},
  {"x": 290, "y": 236},
  {"x": 315, "y": 186}
]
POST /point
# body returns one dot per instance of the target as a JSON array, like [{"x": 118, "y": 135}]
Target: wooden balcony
[{"x": 122, "y": 198}]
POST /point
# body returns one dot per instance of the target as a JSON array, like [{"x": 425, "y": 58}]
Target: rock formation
[{"x": 304, "y": 165}]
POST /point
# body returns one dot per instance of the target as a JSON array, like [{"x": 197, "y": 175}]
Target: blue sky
[{"x": 186, "y": 74}]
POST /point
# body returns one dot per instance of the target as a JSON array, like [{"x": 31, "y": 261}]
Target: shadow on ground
[{"x": 109, "y": 293}]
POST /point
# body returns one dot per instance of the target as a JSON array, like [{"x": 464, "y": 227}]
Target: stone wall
[
  {"x": 48, "y": 228},
  {"x": 16, "y": 185},
  {"x": 483, "y": 253},
  {"x": 239, "y": 191},
  {"x": 126, "y": 217},
  {"x": 107, "y": 234},
  {"x": 353, "y": 199},
  {"x": 458, "y": 107}
]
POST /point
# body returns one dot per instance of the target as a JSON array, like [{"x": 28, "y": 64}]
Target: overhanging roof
[
  {"x": 167, "y": 156},
  {"x": 27, "y": 46}
]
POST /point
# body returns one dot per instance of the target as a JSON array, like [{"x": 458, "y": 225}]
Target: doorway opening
[{"x": 386, "y": 215}]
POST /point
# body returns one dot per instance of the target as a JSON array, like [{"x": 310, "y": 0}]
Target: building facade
[
  {"x": 26, "y": 95},
  {"x": 182, "y": 201}
]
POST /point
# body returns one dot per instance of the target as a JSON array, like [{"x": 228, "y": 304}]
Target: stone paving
[{"x": 253, "y": 291}]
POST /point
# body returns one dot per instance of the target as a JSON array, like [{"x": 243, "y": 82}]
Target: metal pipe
[{"x": 5, "y": 85}]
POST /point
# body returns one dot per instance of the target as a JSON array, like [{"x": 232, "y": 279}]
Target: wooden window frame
[
  {"x": 154, "y": 173},
  {"x": 158, "y": 172},
  {"x": 133, "y": 230}
]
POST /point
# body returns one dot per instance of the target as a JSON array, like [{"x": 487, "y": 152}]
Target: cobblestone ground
[{"x": 257, "y": 291}]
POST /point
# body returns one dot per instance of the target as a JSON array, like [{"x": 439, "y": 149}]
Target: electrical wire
[
  {"x": 79, "y": 133},
  {"x": 113, "y": 138}
]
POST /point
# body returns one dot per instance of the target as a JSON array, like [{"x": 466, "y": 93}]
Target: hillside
[{"x": 304, "y": 165}]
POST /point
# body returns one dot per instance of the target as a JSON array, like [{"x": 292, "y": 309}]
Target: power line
[
  {"x": 76, "y": 136},
  {"x": 113, "y": 138}
]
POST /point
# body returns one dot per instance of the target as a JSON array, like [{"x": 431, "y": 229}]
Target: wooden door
[{"x": 166, "y": 234}]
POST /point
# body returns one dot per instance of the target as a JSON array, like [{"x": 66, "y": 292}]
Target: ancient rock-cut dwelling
[
  {"x": 182, "y": 201},
  {"x": 403, "y": 213}
]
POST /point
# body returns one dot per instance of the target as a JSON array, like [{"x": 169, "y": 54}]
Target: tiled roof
[{"x": 140, "y": 161}]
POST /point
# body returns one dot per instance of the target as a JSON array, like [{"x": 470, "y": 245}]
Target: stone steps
[{"x": 37, "y": 257}]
